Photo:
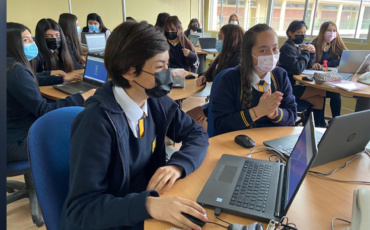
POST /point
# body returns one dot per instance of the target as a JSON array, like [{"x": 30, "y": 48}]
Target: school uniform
[
  {"x": 24, "y": 105},
  {"x": 213, "y": 72},
  {"x": 86, "y": 29},
  {"x": 228, "y": 114},
  {"x": 76, "y": 63},
  {"x": 327, "y": 54},
  {"x": 110, "y": 167},
  {"x": 295, "y": 60},
  {"x": 178, "y": 59}
]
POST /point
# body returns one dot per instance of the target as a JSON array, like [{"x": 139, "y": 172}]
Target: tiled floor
[{"x": 18, "y": 213}]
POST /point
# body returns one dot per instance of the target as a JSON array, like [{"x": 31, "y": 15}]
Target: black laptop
[
  {"x": 95, "y": 76},
  {"x": 207, "y": 44},
  {"x": 346, "y": 135},
  {"x": 259, "y": 189}
]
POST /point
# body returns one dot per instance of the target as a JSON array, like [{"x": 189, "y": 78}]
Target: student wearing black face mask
[
  {"x": 118, "y": 158},
  {"x": 182, "y": 51},
  {"x": 193, "y": 27},
  {"x": 53, "y": 50}
]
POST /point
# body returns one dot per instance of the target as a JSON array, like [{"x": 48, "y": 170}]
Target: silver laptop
[
  {"x": 208, "y": 44},
  {"x": 346, "y": 135},
  {"x": 260, "y": 189},
  {"x": 95, "y": 76},
  {"x": 353, "y": 62},
  {"x": 178, "y": 82},
  {"x": 95, "y": 43}
]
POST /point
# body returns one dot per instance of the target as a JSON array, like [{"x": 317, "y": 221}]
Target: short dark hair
[
  {"x": 294, "y": 26},
  {"x": 131, "y": 44},
  {"x": 194, "y": 20}
]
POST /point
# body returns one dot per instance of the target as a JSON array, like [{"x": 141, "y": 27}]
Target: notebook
[
  {"x": 95, "y": 43},
  {"x": 208, "y": 44},
  {"x": 178, "y": 82},
  {"x": 346, "y": 135},
  {"x": 258, "y": 189},
  {"x": 95, "y": 75}
]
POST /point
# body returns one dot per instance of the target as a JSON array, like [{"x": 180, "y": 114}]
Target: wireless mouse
[
  {"x": 244, "y": 141},
  {"x": 193, "y": 219},
  {"x": 190, "y": 76}
]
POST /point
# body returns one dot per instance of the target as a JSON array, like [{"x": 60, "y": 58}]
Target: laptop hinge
[{"x": 279, "y": 194}]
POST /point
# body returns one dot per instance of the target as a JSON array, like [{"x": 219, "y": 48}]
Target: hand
[
  {"x": 58, "y": 73},
  {"x": 74, "y": 77},
  {"x": 186, "y": 52},
  {"x": 164, "y": 178},
  {"x": 316, "y": 66},
  {"x": 310, "y": 48},
  {"x": 273, "y": 115},
  {"x": 201, "y": 80},
  {"x": 169, "y": 209},
  {"x": 268, "y": 103},
  {"x": 88, "y": 94},
  {"x": 83, "y": 59}
]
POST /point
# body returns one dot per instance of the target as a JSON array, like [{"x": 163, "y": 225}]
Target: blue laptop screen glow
[
  {"x": 299, "y": 162},
  {"x": 95, "y": 69}
]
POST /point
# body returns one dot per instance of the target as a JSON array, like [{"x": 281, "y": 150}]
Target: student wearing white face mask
[
  {"x": 329, "y": 46},
  {"x": 233, "y": 19},
  {"x": 255, "y": 93}
]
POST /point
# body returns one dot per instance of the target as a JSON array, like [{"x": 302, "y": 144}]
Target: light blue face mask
[
  {"x": 78, "y": 30},
  {"x": 30, "y": 50},
  {"x": 93, "y": 28},
  {"x": 219, "y": 45}
]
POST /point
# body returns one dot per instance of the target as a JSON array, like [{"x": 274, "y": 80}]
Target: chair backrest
[
  {"x": 49, "y": 149},
  {"x": 210, "y": 125}
]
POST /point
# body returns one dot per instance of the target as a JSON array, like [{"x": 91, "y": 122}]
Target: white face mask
[
  {"x": 234, "y": 22},
  {"x": 266, "y": 63}
]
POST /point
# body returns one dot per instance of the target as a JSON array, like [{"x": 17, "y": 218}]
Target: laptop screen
[
  {"x": 95, "y": 69},
  {"x": 300, "y": 161},
  {"x": 95, "y": 42}
]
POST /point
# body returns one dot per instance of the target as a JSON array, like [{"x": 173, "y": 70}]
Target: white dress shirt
[{"x": 256, "y": 80}]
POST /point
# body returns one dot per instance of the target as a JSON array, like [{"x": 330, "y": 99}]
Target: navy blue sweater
[
  {"x": 332, "y": 58},
  {"x": 25, "y": 103},
  {"x": 227, "y": 112},
  {"x": 294, "y": 60},
  {"x": 99, "y": 196}
]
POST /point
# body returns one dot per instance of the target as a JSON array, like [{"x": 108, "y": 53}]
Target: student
[
  {"x": 255, "y": 94},
  {"x": 94, "y": 24},
  {"x": 229, "y": 45},
  {"x": 193, "y": 27},
  {"x": 71, "y": 30},
  {"x": 182, "y": 52},
  {"x": 295, "y": 57},
  {"x": 24, "y": 101},
  {"x": 234, "y": 19},
  {"x": 161, "y": 18},
  {"x": 118, "y": 168},
  {"x": 53, "y": 49},
  {"x": 329, "y": 45}
]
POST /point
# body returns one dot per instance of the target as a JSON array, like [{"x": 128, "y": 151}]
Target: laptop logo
[
  {"x": 219, "y": 200},
  {"x": 351, "y": 137}
]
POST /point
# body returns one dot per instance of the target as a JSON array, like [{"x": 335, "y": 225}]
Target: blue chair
[
  {"x": 49, "y": 147},
  {"x": 210, "y": 125},
  {"x": 18, "y": 190}
]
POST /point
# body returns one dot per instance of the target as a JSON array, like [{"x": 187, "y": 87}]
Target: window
[{"x": 351, "y": 16}]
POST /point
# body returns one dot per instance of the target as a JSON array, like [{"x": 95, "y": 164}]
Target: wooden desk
[
  {"x": 190, "y": 89},
  {"x": 363, "y": 95},
  {"x": 317, "y": 202}
]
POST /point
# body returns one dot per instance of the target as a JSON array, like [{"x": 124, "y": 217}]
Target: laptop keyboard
[
  {"x": 81, "y": 86},
  {"x": 252, "y": 188}
]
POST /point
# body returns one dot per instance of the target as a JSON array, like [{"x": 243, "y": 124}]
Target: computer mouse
[
  {"x": 193, "y": 219},
  {"x": 307, "y": 78},
  {"x": 190, "y": 76},
  {"x": 244, "y": 141}
]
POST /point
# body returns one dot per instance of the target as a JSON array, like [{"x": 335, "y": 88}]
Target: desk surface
[
  {"x": 198, "y": 50},
  {"x": 190, "y": 89},
  {"x": 359, "y": 93},
  {"x": 317, "y": 202}
]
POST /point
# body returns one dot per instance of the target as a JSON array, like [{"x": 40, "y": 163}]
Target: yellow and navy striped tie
[
  {"x": 261, "y": 84},
  {"x": 327, "y": 47}
]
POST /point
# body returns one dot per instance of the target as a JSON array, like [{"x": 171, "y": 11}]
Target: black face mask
[
  {"x": 194, "y": 27},
  {"x": 299, "y": 39},
  {"x": 53, "y": 43},
  {"x": 170, "y": 35},
  {"x": 163, "y": 84}
]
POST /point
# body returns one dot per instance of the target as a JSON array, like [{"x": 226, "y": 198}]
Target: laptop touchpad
[{"x": 227, "y": 173}]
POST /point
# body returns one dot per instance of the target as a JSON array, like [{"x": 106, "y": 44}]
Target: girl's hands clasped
[{"x": 269, "y": 104}]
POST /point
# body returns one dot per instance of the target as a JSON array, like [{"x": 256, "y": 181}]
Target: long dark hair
[
  {"x": 96, "y": 17},
  {"x": 50, "y": 61},
  {"x": 175, "y": 21},
  {"x": 231, "y": 49},
  {"x": 68, "y": 24},
  {"x": 337, "y": 46},
  {"x": 247, "y": 67},
  {"x": 14, "y": 45},
  {"x": 131, "y": 44},
  {"x": 161, "y": 18}
]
